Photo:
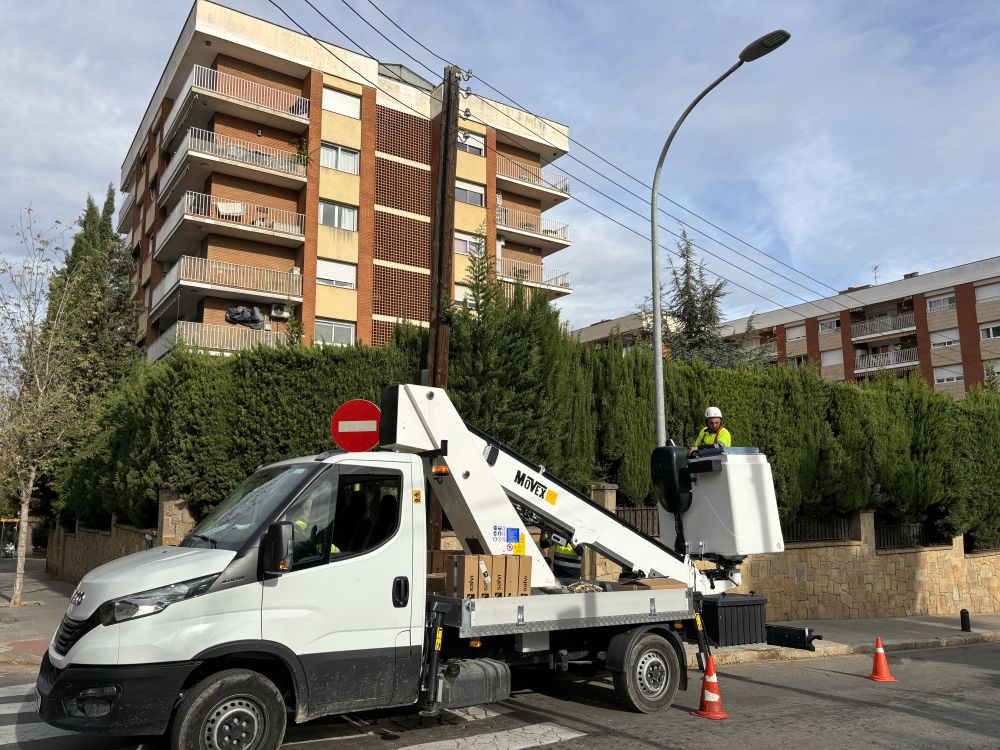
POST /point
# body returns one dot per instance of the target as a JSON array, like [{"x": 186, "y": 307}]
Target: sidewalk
[{"x": 26, "y": 631}]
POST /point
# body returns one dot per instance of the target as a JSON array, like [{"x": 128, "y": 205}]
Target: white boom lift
[{"x": 304, "y": 592}]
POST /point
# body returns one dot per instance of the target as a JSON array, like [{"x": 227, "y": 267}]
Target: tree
[
  {"x": 39, "y": 399},
  {"x": 692, "y": 319}
]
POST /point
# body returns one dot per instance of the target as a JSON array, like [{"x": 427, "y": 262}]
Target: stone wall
[
  {"x": 853, "y": 579},
  {"x": 72, "y": 554}
]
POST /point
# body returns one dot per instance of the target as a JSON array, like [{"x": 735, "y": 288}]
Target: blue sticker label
[{"x": 513, "y": 535}]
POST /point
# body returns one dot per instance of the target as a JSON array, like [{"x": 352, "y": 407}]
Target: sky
[{"x": 869, "y": 139}]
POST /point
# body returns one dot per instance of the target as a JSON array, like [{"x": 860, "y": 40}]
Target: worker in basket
[
  {"x": 713, "y": 434},
  {"x": 567, "y": 559}
]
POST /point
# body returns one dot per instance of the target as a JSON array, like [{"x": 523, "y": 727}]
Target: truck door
[{"x": 345, "y": 607}]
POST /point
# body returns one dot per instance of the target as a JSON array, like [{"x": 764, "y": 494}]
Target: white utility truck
[{"x": 304, "y": 592}]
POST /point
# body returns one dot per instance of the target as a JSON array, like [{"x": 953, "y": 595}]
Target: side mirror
[
  {"x": 671, "y": 478},
  {"x": 277, "y": 552}
]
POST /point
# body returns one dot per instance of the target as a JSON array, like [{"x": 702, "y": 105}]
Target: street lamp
[{"x": 753, "y": 51}]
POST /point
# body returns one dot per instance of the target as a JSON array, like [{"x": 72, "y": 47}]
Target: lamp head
[{"x": 764, "y": 45}]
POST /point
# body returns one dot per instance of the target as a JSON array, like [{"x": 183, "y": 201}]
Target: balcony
[
  {"x": 191, "y": 279},
  {"x": 208, "y": 91},
  {"x": 886, "y": 360},
  {"x": 884, "y": 327},
  {"x": 547, "y": 186},
  {"x": 203, "y": 152},
  {"x": 532, "y": 229},
  {"x": 211, "y": 338},
  {"x": 197, "y": 214},
  {"x": 126, "y": 211},
  {"x": 534, "y": 275}
]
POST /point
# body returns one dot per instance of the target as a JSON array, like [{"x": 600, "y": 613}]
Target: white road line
[
  {"x": 478, "y": 713},
  {"x": 15, "y": 734},
  {"x": 329, "y": 739},
  {"x": 522, "y": 738},
  {"x": 16, "y": 708},
  {"x": 26, "y": 689}
]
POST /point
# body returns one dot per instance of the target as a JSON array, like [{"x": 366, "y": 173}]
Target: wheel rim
[
  {"x": 236, "y": 723},
  {"x": 652, "y": 675}
]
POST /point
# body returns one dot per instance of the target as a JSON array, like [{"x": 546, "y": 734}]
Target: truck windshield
[{"x": 251, "y": 504}]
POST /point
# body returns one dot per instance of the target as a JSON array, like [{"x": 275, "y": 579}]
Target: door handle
[{"x": 400, "y": 591}]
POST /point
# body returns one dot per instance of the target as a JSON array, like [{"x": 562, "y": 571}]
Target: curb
[{"x": 733, "y": 655}]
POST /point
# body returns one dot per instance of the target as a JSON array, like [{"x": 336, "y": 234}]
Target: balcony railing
[
  {"x": 532, "y": 273},
  {"x": 218, "y": 273},
  {"x": 529, "y": 173},
  {"x": 128, "y": 203},
  {"x": 886, "y": 359},
  {"x": 212, "y": 338},
  {"x": 231, "y": 211},
  {"x": 236, "y": 149},
  {"x": 883, "y": 325},
  {"x": 524, "y": 221}
]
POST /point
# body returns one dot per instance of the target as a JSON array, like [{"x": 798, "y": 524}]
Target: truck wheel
[
  {"x": 651, "y": 676},
  {"x": 236, "y": 709}
]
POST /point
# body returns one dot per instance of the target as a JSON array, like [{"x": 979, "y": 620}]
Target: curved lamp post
[{"x": 753, "y": 51}]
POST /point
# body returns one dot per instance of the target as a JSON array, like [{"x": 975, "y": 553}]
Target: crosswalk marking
[
  {"x": 15, "y": 734},
  {"x": 478, "y": 713},
  {"x": 16, "y": 708},
  {"x": 26, "y": 689},
  {"x": 521, "y": 738}
]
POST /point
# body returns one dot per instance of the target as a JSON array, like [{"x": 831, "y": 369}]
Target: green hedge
[{"x": 199, "y": 424}]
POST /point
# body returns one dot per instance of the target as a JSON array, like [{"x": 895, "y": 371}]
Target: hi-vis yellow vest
[{"x": 707, "y": 437}]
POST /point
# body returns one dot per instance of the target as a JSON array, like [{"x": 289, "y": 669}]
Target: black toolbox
[{"x": 734, "y": 619}]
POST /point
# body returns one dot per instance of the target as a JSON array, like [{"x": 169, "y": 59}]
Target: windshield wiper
[{"x": 203, "y": 538}]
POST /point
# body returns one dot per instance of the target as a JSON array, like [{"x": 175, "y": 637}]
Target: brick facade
[
  {"x": 403, "y": 187},
  {"x": 310, "y": 207},
  {"x": 968, "y": 334},
  {"x": 923, "y": 337},
  {"x": 259, "y": 74},
  {"x": 780, "y": 344},
  {"x": 233, "y": 188},
  {"x": 848, "y": 345},
  {"x": 248, "y": 253},
  {"x": 812, "y": 340},
  {"x": 223, "y": 124},
  {"x": 368, "y": 219},
  {"x": 402, "y": 135}
]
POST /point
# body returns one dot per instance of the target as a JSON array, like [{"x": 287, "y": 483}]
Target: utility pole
[{"x": 442, "y": 247}]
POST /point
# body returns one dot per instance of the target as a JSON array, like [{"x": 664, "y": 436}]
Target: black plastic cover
[{"x": 671, "y": 479}]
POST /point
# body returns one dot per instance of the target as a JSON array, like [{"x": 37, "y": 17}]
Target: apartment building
[
  {"x": 273, "y": 179},
  {"x": 944, "y": 324}
]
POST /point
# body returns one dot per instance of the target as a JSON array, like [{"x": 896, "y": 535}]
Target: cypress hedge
[{"x": 200, "y": 424}]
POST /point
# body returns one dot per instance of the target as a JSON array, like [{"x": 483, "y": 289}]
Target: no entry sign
[{"x": 354, "y": 425}]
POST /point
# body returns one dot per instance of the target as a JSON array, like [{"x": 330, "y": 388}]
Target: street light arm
[{"x": 661, "y": 430}]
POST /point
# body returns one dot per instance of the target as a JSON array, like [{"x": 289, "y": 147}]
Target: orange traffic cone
[
  {"x": 711, "y": 698},
  {"x": 880, "y": 667}
]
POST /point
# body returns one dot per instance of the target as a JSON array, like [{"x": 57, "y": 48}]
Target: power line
[{"x": 601, "y": 213}]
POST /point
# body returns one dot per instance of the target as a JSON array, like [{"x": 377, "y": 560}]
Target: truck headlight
[{"x": 155, "y": 600}]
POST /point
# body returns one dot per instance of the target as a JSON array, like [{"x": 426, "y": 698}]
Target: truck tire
[
  {"x": 236, "y": 709},
  {"x": 651, "y": 676}
]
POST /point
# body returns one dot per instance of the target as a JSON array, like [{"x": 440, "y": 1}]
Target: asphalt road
[{"x": 944, "y": 697}]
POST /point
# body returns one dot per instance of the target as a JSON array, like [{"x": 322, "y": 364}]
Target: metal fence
[
  {"x": 907, "y": 535},
  {"x": 647, "y": 520},
  {"x": 835, "y": 528}
]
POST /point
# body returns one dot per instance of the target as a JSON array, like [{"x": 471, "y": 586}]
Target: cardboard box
[
  {"x": 648, "y": 584},
  {"x": 486, "y": 576},
  {"x": 511, "y": 569},
  {"x": 437, "y": 584},
  {"x": 463, "y": 576},
  {"x": 523, "y": 576},
  {"x": 499, "y": 585}
]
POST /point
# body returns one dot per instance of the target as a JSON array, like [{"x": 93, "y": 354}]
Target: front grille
[{"x": 70, "y": 631}]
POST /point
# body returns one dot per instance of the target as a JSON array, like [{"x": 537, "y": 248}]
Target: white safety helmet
[{"x": 713, "y": 411}]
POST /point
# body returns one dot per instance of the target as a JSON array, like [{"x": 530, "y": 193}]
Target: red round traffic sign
[{"x": 354, "y": 425}]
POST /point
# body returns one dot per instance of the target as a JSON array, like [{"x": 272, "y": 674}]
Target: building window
[
  {"x": 465, "y": 244},
  {"x": 338, "y": 215},
  {"x": 340, "y": 158},
  {"x": 949, "y": 374},
  {"x": 990, "y": 330},
  {"x": 832, "y": 357},
  {"x": 800, "y": 359},
  {"x": 470, "y": 192},
  {"x": 944, "y": 338},
  {"x": 987, "y": 292},
  {"x": 471, "y": 143},
  {"x": 159, "y": 138},
  {"x": 942, "y": 303},
  {"x": 333, "y": 273},
  {"x": 463, "y": 297},
  {"x": 334, "y": 332},
  {"x": 793, "y": 333},
  {"x": 829, "y": 326},
  {"x": 341, "y": 103}
]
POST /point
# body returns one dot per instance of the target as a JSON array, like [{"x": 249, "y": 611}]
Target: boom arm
[{"x": 485, "y": 478}]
